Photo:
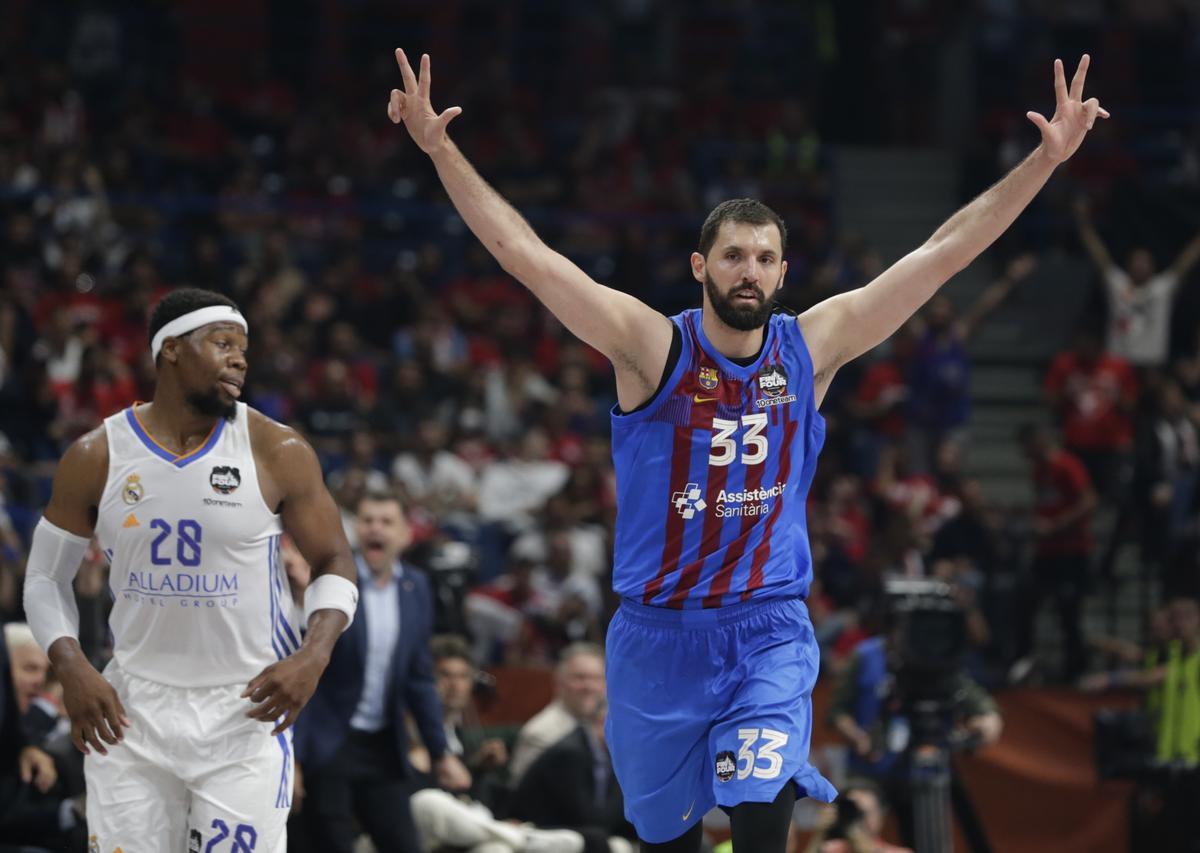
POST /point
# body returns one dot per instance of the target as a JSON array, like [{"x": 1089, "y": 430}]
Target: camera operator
[
  {"x": 856, "y": 822},
  {"x": 881, "y": 707}
]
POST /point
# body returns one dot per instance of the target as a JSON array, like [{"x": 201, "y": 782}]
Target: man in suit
[
  {"x": 351, "y": 740},
  {"x": 571, "y": 786}
]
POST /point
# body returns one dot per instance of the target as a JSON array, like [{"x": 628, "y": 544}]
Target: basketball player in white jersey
[{"x": 187, "y": 732}]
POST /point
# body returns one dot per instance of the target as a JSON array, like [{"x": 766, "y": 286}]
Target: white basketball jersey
[{"x": 200, "y": 598}]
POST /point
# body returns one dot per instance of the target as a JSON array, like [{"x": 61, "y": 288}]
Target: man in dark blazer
[
  {"x": 351, "y": 740},
  {"x": 572, "y": 786}
]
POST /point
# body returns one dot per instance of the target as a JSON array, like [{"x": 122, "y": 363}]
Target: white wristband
[{"x": 331, "y": 592}]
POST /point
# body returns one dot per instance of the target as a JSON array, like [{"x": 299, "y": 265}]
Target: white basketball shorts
[{"x": 193, "y": 775}]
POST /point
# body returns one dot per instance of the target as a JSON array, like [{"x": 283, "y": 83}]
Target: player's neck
[
  {"x": 731, "y": 342},
  {"x": 171, "y": 419}
]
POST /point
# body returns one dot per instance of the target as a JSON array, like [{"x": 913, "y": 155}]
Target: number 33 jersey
[
  {"x": 200, "y": 599},
  {"x": 713, "y": 474}
]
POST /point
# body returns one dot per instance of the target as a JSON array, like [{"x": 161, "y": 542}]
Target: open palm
[
  {"x": 427, "y": 127},
  {"x": 1073, "y": 116}
]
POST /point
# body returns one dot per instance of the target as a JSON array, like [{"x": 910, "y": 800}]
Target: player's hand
[
  {"x": 281, "y": 690},
  {"x": 94, "y": 708},
  {"x": 1073, "y": 116},
  {"x": 37, "y": 768},
  {"x": 412, "y": 106},
  {"x": 452, "y": 774}
]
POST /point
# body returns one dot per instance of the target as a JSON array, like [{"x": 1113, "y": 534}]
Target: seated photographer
[
  {"x": 870, "y": 709},
  {"x": 856, "y": 822}
]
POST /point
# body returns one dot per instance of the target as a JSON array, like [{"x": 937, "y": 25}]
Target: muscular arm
[
  {"x": 292, "y": 483},
  {"x": 74, "y": 499},
  {"x": 633, "y": 336},
  {"x": 845, "y": 326},
  {"x": 93, "y": 706},
  {"x": 309, "y": 515}
]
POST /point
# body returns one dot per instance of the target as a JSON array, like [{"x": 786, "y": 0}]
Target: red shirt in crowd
[
  {"x": 1096, "y": 398},
  {"x": 884, "y": 381},
  {"x": 1060, "y": 482}
]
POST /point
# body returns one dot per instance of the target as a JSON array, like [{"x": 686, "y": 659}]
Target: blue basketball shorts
[{"x": 710, "y": 707}]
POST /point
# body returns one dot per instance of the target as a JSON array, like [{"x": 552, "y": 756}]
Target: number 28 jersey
[
  {"x": 713, "y": 475},
  {"x": 199, "y": 594}
]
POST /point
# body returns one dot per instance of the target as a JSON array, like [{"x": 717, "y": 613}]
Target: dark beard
[
  {"x": 211, "y": 405},
  {"x": 744, "y": 319}
]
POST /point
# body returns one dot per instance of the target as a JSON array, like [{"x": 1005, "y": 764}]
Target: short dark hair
[
  {"x": 185, "y": 300},
  {"x": 450, "y": 646},
  {"x": 382, "y": 496},
  {"x": 748, "y": 210}
]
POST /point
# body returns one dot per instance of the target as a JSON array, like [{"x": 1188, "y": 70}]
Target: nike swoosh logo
[
  {"x": 689, "y": 811},
  {"x": 698, "y": 399}
]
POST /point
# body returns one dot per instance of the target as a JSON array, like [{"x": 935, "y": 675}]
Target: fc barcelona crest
[{"x": 708, "y": 378}]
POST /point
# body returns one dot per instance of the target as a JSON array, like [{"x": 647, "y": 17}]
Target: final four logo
[
  {"x": 708, "y": 378},
  {"x": 773, "y": 382},
  {"x": 225, "y": 479}
]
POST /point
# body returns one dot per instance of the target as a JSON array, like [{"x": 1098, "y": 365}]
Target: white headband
[{"x": 193, "y": 320}]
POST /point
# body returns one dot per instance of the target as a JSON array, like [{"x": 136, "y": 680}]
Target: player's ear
[
  {"x": 698, "y": 267},
  {"x": 170, "y": 350}
]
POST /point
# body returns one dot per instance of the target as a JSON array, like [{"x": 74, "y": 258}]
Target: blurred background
[{"x": 243, "y": 147}]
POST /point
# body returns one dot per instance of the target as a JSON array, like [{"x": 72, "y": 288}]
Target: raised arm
[
  {"x": 1018, "y": 269},
  {"x": 1096, "y": 250},
  {"x": 634, "y": 337},
  {"x": 847, "y": 325},
  {"x": 1187, "y": 258}
]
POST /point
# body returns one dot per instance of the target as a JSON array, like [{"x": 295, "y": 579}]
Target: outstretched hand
[
  {"x": 412, "y": 106},
  {"x": 1073, "y": 116}
]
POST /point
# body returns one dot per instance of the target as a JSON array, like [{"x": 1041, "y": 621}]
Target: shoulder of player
[
  {"x": 85, "y": 461},
  {"x": 278, "y": 446}
]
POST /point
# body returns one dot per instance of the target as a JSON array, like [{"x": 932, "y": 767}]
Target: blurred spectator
[
  {"x": 867, "y": 704},
  {"x": 352, "y": 743},
  {"x": 433, "y": 477},
  {"x": 1062, "y": 564},
  {"x": 1094, "y": 394},
  {"x": 572, "y": 786},
  {"x": 579, "y": 698},
  {"x": 940, "y": 372},
  {"x": 1165, "y": 472},
  {"x": 857, "y": 822},
  {"x": 1140, "y": 299},
  {"x": 31, "y": 812}
]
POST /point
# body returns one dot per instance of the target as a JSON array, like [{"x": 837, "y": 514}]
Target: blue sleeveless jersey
[{"x": 713, "y": 475}]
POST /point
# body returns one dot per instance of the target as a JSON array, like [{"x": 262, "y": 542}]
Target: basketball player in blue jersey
[
  {"x": 187, "y": 733},
  {"x": 711, "y": 654}
]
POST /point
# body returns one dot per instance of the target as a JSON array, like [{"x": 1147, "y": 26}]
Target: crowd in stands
[{"x": 131, "y": 162}]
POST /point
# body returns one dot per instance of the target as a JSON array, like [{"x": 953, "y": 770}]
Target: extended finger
[
  {"x": 396, "y": 106},
  {"x": 1080, "y": 76},
  {"x": 113, "y": 718},
  {"x": 1060, "y": 83},
  {"x": 109, "y": 733},
  {"x": 424, "y": 81},
  {"x": 77, "y": 739},
  {"x": 93, "y": 739},
  {"x": 449, "y": 115},
  {"x": 410, "y": 79},
  {"x": 1039, "y": 120},
  {"x": 284, "y": 724}
]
